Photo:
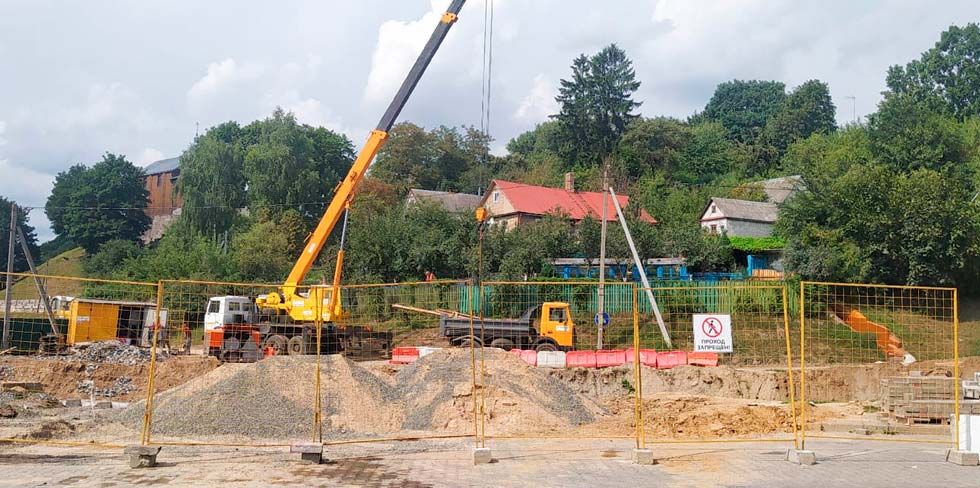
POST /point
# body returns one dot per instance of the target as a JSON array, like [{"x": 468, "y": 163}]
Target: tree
[
  {"x": 20, "y": 261},
  {"x": 653, "y": 145},
  {"x": 744, "y": 107},
  {"x": 908, "y": 134},
  {"x": 112, "y": 256},
  {"x": 267, "y": 249},
  {"x": 446, "y": 158},
  {"x": 212, "y": 180},
  {"x": 288, "y": 165},
  {"x": 873, "y": 224},
  {"x": 822, "y": 158},
  {"x": 182, "y": 253},
  {"x": 807, "y": 110},
  {"x": 596, "y": 105},
  {"x": 949, "y": 72},
  {"x": 99, "y": 204}
]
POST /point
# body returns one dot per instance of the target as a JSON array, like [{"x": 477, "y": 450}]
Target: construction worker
[
  {"x": 187, "y": 338},
  {"x": 430, "y": 276}
]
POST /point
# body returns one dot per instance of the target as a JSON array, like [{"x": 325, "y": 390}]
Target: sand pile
[{"x": 273, "y": 399}]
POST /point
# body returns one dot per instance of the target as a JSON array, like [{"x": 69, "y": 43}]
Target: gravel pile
[
  {"x": 6, "y": 371},
  {"x": 110, "y": 352},
  {"x": 273, "y": 399}
]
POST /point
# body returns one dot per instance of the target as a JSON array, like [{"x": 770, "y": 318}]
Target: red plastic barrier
[
  {"x": 516, "y": 352},
  {"x": 670, "y": 359},
  {"x": 580, "y": 359},
  {"x": 530, "y": 357},
  {"x": 702, "y": 358},
  {"x": 404, "y": 355},
  {"x": 648, "y": 357},
  {"x": 610, "y": 358}
]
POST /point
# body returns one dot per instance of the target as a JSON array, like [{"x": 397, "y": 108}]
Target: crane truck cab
[{"x": 228, "y": 310}]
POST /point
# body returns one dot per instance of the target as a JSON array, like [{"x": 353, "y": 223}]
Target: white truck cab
[{"x": 228, "y": 310}]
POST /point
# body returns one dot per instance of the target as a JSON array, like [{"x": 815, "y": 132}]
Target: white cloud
[
  {"x": 220, "y": 76},
  {"x": 399, "y": 44},
  {"x": 3, "y": 128},
  {"x": 539, "y": 103},
  {"x": 149, "y": 155}
]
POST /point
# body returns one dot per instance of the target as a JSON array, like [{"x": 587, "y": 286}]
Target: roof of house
[
  {"x": 540, "y": 200},
  {"x": 162, "y": 166},
  {"x": 453, "y": 202},
  {"x": 765, "y": 212},
  {"x": 779, "y": 189}
]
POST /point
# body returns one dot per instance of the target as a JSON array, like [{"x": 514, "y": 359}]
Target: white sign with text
[{"x": 712, "y": 332}]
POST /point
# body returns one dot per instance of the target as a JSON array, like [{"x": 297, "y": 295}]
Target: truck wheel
[
  {"x": 469, "y": 342},
  {"x": 278, "y": 343},
  {"x": 546, "y": 346},
  {"x": 505, "y": 344},
  {"x": 296, "y": 346}
]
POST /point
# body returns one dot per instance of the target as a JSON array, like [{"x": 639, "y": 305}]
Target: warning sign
[{"x": 712, "y": 332}]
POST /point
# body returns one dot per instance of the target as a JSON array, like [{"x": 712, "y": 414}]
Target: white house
[{"x": 739, "y": 217}]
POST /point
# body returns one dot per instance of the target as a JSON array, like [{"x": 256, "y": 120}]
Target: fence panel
[
  {"x": 73, "y": 351},
  {"x": 750, "y": 396},
  {"x": 551, "y": 367},
  {"x": 891, "y": 349}
]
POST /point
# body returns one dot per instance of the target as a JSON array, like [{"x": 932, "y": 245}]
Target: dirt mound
[{"x": 518, "y": 398}]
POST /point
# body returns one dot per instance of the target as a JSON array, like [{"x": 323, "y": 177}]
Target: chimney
[{"x": 569, "y": 182}]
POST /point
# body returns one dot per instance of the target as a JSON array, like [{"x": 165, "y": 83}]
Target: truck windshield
[{"x": 213, "y": 306}]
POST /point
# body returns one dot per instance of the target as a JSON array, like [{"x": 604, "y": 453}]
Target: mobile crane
[{"x": 237, "y": 328}]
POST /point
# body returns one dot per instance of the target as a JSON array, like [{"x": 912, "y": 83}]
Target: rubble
[
  {"x": 110, "y": 352},
  {"x": 122, "y": 386}
]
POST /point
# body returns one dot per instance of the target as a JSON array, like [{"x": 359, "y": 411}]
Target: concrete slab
[
  {"x": 481, "y": 455},
  {"x": 643, "y": 457},
  {"x": 309, "y": 452},
  {"x": 962, "y": 458},
  {"x": 140, "y": 456},
  {"x": 802, "y": 457}
]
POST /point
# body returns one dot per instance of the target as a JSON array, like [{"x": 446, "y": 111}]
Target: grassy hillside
[{"x": 68, "y": 263}]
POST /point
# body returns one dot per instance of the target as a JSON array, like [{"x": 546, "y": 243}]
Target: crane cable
[{"x": 485, "y": 91}]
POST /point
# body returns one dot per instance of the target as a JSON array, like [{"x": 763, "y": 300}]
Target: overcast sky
[{"x": 78, "y": 79}]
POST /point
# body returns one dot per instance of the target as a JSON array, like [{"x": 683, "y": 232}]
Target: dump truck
[
  {"x": 290, "y": 312},
  {"x": 544, "y": 327}
]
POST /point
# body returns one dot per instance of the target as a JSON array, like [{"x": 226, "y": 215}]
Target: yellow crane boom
[{"x": 303, "y": 307}]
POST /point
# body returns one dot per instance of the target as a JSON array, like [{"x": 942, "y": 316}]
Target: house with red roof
[{"x": 513, "y": 204}]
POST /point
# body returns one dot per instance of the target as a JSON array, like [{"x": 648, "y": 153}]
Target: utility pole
[
  {"x": 854, "y": 112},
  {"x": 600, "y": 315},
  {"x": 11, "y": 242}
]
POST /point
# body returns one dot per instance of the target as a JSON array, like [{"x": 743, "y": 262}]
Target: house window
[
  {"x": 496, "y": 196},
  {"x": 158, "y": 180},
  {"x": 714, "y": 229},
  {"x": 714, "y": 209}
]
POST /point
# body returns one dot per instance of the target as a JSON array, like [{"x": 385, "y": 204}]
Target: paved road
[{"x": 864, "y": 464}]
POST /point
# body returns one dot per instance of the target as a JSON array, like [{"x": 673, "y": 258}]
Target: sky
[{"x": 78, "y": 79}]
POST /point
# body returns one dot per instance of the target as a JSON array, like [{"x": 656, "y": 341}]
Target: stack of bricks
[{"x": 914, "y": 399}]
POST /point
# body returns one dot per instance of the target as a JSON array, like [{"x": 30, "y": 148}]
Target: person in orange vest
[{"x": 430, "y": 276}]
